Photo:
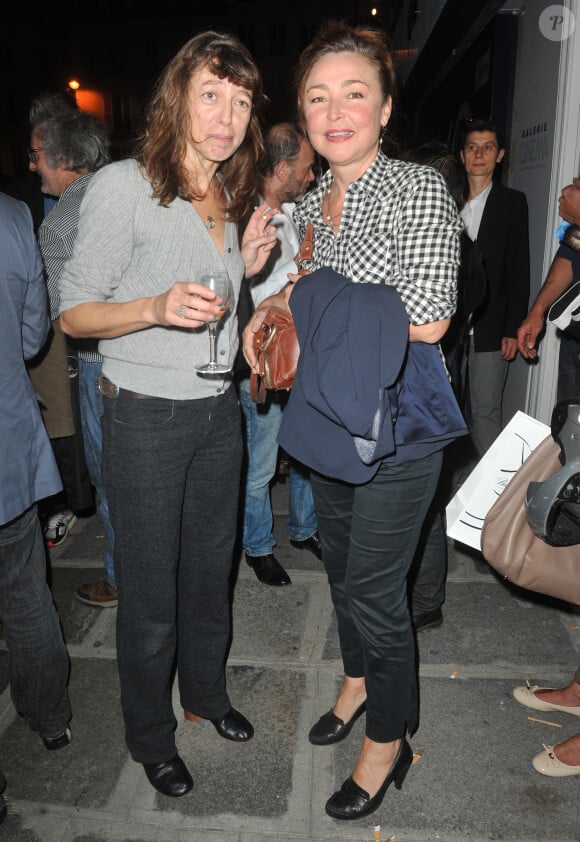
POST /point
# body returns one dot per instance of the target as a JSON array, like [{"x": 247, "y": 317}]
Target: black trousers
[{"x": 369, "y": 534}]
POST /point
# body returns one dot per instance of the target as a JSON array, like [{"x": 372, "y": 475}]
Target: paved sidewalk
[{"x": 473, "y": 780}]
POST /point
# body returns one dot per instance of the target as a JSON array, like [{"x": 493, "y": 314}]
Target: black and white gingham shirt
[{"x": 400, "y": 227}]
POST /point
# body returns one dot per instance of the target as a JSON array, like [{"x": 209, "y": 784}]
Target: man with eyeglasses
[
  {"x": 497, "y": 218},
  {"x": 67, "y": 147}
]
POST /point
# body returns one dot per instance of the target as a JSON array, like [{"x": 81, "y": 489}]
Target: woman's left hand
[{"x": 259, "y": 239}]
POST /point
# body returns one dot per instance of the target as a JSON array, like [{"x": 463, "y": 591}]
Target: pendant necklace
[
  {"x": 210, "y": 223},
  {"x": 329, "y": 217}
]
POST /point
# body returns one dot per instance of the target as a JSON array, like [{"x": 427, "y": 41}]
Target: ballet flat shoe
[
  {"x": 233, "y": 726},
  {"x": 330, "y": 729},
  {"x": 352, "y": 802},
  {"x": 527, "y": 696},
  {"x": 170, "y": 778},
  {"x": 546, "y": 763}
]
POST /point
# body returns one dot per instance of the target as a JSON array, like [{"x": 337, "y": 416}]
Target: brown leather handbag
[
  {"x": 509, "y": 544},
  {"x": 276, "y": 344}
]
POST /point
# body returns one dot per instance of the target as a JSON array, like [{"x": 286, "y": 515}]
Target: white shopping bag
[{"x": 467, "y": 510}]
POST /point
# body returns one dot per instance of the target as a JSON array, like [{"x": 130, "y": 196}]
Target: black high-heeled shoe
[
  {"x": 352, "y": 802},
  {"x": 331, "y": 729}
]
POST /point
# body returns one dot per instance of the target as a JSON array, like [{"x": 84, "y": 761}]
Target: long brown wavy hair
[{"x": 161, "y": 149}]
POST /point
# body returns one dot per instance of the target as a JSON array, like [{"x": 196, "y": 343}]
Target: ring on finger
[{"x": 181, "y": 311}]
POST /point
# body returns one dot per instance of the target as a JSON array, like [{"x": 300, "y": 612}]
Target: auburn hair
[{"x": 336, "y": 36}]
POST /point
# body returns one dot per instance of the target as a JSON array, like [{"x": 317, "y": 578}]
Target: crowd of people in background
[{"x": 106, "y": 304}]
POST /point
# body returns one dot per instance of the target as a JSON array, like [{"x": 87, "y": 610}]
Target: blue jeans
[
  {"x": 262, "y": 425},
  {"x": 38, "y": 663},
  {"x": 91, "y": 420},
  {"x": 369, "y": 534},
  {"x": 172, "y": 475}
]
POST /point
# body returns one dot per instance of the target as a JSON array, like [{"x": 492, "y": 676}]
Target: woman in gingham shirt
[{"x": 378, "y": 221}]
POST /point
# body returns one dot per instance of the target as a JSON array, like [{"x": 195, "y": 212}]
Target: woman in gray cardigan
[{"x": 172, "y": 438}]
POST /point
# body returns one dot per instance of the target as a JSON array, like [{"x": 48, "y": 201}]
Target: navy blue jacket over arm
[{"x": 362, "y": 393}]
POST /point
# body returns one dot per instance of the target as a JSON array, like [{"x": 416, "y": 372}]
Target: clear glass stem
[{"x": 211, "y": 327}]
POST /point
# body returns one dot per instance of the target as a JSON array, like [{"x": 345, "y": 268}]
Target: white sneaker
[{"x": 58, "y": 526}]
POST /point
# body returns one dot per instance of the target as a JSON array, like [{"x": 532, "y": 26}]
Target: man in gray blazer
[{"x": 38, "y": 663}]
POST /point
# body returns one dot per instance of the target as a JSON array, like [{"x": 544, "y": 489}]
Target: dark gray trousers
[
  {"x": 38, "y": 662},
  {"x": 172, "y": 477}
]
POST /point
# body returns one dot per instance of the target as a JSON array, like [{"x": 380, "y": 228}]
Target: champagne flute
[{"x": 219, "y": 282}]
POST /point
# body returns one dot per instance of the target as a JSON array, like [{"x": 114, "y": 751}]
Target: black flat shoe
[
  {"x": 352, "y": 802},
  {"x": 170, "y": 778},
  {"x": 268, "y": 570},
  {"x": 233, "y": 726},
  {"x": 312, "y": 544},
  {"x": 55, "y": 743},
  {"x": 330, "y": 729}
]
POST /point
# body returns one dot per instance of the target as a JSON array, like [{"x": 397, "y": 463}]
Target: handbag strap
[
  {"x": 257, "y": 388},
  {"x": 307, "y": 245}
]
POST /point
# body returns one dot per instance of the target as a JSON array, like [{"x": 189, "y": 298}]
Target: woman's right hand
[{"x": 186, "y": 304}]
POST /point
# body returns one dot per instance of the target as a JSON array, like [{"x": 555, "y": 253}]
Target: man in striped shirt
[{"x": 67, "y": 147}]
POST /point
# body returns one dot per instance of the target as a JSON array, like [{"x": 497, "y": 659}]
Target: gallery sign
[{"x": 535, "y": 148}]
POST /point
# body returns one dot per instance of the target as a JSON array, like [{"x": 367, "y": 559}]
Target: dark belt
[{"x": 109, "y": 390}]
